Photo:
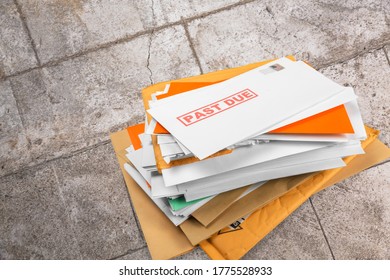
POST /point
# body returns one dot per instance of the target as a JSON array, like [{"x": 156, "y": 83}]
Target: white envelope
[
  {"x": 351, "y": 106},
  {"x": 159, "y": 189},
  {"x": 348, "y": 98},
  {"x": 223, "y": 114},
  {"x": 336, "y": 151},
  {"x": 148, "y": 158},
  {"x": 186, "y": 151},
  {"x": 352, "y": 110},
  {"x": 173, "y": 149},
  {"x": 165, "y": 138},
  {"x": 218, "y": 181},
  {"x": 135, "y": 158},
  {"x": 169, "y": 149},
  {"x": 355, "y": 117},
  {"x": 275, "y": 173},
  {"x": 239, "y": 158}
]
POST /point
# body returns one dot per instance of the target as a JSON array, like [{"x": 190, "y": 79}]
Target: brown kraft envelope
[{"x": 216, "y": 206}]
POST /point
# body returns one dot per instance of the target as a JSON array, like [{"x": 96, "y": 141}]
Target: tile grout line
[
  {"x": 149, "y": 31},
  {"x": 126, "y": 39},
  {"x": 322, "y": 228},
  {"x": 19, "y": 113},
  {"x": 128, "y": 252},
  {"x": 148, "y": 60},
  {"x": 354, "y": 55},
  {"x": 71, "y": 154},
  {"x": 385, "y": 51},
  {"x": 150, "y": 46},
  {"x": 25, "y": 27},
  {"x": 192, "y": 47}
]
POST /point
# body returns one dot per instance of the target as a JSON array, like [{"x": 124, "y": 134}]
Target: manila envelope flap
[{"x": 212, "y": 209}]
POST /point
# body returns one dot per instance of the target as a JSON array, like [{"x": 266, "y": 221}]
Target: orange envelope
[{"x": 133, "y": 132}]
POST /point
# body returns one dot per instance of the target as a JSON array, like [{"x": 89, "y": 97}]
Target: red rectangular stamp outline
[{"x": 216, "y": 103}]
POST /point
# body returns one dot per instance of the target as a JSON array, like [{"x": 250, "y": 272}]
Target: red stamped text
[{"x": 216, "y": 107}]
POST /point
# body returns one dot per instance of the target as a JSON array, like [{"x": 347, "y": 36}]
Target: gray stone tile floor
[{"x": 71, "y": 73}]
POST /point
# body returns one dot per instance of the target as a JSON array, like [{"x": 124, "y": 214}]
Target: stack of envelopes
[{"x": 218, "y": 149}]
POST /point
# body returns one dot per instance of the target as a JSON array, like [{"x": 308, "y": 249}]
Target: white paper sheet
[
  {"x": 148, "y": 158},
  {"x": 135, "y": 158},
  {"x": 336, "y": 151},
  {"x": 249, "y": 178},
  {"x": 239, "y": 158},
  {"x": 170, "y": 149}
]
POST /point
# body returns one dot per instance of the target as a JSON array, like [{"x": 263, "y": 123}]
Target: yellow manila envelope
[{"x": 235, "y": 244}]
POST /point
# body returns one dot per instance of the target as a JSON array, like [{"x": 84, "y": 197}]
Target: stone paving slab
[
  {"x": 140, "y": 254},
  {"x": 77, "y": 103},
  {"x": 16, "y": 52},
  {"x": 173, "y": 11},
  {"x": 98, "y": 204},
  {"x": 196, "y": 254},
  {"x": 298, "y": 237},
  {"x": 143, "y": 254},
  {"x": 75, "y": 207},
  {"x": 367, "y": 75},
  {"x": 62, "y": 28},
  {"x": 355, "y": 215},
  {"x": 33, "y": 223},
  {"x": 387, "y": 50},
  {"x": 14, "y": 146},
  {"x": 313, "y": 30}
]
